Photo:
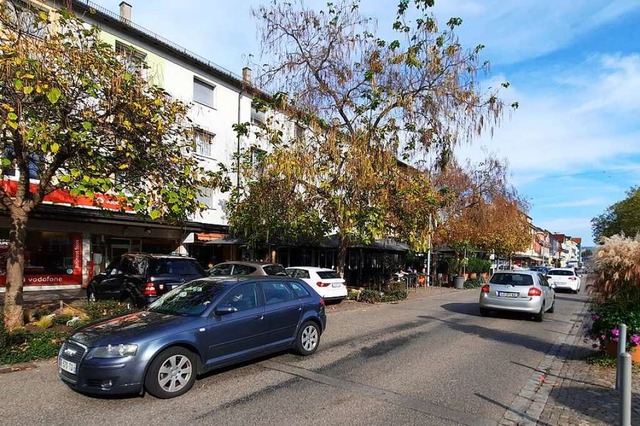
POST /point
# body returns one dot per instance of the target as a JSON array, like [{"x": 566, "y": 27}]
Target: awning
[
  {"x": 210, "y": 236},
  {"x": 225, "y": 240}
]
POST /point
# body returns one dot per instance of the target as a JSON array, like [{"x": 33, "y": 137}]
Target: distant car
[
  {"x": 540, "y": 268},
  {"x": 326, "y": 282},
  {"x": 565, "y": 279},
  {"x": 518, "y": 291},
  {"x": 140, "y": 278},
  {"x": 233, "y": 268},
  {"x": 204, "y": 324}
]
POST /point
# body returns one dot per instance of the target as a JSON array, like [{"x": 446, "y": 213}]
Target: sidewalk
[
  {"x": 50, "y": 296},
  {"x": 565, "y": 390}
]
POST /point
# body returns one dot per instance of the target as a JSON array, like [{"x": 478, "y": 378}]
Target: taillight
[
  {"x": 485, "y": 288},
  {"x": 321, "y": 284},
  {"x": 149, "y": 290},
  {"x": 534, "y": 291}
]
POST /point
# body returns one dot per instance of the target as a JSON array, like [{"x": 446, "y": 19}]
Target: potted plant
[{"x": 604, "y": 329}]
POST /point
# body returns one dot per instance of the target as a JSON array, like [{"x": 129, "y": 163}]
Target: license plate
[
  {"x": 336, "y": 285},
  {"x": 507, "y": 294},
  {"x": 68, "y": 366},
  {"x": 557, "y": 282}
]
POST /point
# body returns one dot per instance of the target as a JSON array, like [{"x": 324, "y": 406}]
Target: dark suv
[{"x": 139, "y": 278}]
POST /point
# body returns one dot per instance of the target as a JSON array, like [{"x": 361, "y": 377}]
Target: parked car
[
  {"x": 565, "y": 278},
  {"x": 540, "y": 268},
  {"x": 247, "y": 268},
  {"x": 202, "y": 325},
  {"x": 518, "y": 291},
  {"x": 140, "y": 278},
  {"x": 326, "y": 282}
]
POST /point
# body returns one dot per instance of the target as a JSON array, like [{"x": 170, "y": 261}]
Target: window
[
  {"x": 202, "y": 92},
  {"x": 258, "y": 117},
  {"x": 275, "y": 292},
  {"x": 299, "y": 290},
  {"x": 275, "y": 270},
  {"x": 327, "y": 275},
  {"x": 221, "y": 270},
  {"x": 206, "y": 197},
  {"x": 243, "y": 270},
  {"x": 512, "y": 279},
  {"x": 204, "y": 140},
  {"x": 257, "y": 157},
  {"x": 133, "y": 58},
  {"x": 242, "y": 297}
]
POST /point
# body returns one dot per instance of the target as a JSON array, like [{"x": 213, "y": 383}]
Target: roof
[{"x": 310, "y": 268}]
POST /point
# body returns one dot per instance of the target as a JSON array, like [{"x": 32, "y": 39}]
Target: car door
[
  {"x": 109, "y": 285},
  {"x": 282, "y": 313},
  {"x": 240, "y": 334}
]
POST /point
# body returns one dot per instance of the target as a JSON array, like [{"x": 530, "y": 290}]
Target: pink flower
[
  {"x": 595, "y": 317},
  {"x": 615, "y": 332},
  {"x": 635, "y": 340}
]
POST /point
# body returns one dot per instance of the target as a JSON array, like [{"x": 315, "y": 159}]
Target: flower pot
[
  {"x": 458, "y": 282},
  {"x": 611, "y": 349}
]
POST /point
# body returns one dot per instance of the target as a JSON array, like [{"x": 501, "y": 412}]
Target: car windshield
[
  {"x": 560, "y": 272},
  {"x": 190, "y": 299},
  {"x": 274, "y": 270},
  {"x": 328, "y": 274},
  {"x": 511, "y": 279}
]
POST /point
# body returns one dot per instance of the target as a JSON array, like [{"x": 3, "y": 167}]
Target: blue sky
[{"x": 573, "y": 146}]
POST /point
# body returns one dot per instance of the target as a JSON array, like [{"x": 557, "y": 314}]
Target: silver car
[{"x": 518, "y": 291}]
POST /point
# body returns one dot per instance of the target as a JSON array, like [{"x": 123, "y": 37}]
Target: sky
[{"x": 572, "y": 146}]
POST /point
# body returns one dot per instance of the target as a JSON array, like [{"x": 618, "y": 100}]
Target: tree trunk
[
  {"x": 13, "y": 301},
  {"x": 343, "y": 245}
]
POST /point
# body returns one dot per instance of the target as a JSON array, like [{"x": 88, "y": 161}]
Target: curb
[
  {"x": 4, "y": 369},
  {"x": 527, "y": 407}
]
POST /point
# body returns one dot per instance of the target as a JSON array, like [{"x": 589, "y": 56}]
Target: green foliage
[
  {"x": 104, "y": 309},
  {"x": 370, "y": 296},
  {"x": 24, "y": 346},
  {"x": 473, "y": 283},
  {"x": 478, "y": 266},
  {"x": 606, "y": 318},
  {"x": 602, "y": 359},
  {"x": 619, "y": 218}
]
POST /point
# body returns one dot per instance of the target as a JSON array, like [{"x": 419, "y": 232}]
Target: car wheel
[
  {"x": 91, "y": 294},
  {"x": 129, "y": 301},
  {"x": 308, "y": 338},
  {"x": 171, "y": 374},
  {"x": 540, "y": 315},
  {"x": 553, "y": 306},
  {"x": 484, "y": 312}
]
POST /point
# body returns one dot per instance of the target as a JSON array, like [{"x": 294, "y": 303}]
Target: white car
[
  {"x": 565, "y": 278},
  {"x": 326, "y": 282}
]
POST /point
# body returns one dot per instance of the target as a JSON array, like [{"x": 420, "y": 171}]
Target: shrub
[
  {"x": 394, "y": 296},
  {"x": 617, "y": 270},
  {"x": 24, "y": 346},
  {"x": 370, "y": 296},
  {"x": 393, "y": 286},
  {"x": 104, "y": 309},
  {"x": 473, "y": 283}
]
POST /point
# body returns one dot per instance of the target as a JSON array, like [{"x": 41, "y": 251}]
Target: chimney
[
  {"x": 125, "y": 11},
  {"x": 246, "y": 76}
]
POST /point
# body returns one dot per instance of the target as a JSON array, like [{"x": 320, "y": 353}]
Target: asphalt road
[{"x": 430, "y": 360}]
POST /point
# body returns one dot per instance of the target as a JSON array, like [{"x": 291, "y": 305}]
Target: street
[{"x": 430, "y": 360}]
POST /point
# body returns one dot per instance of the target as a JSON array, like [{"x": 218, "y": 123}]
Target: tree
[
  {"x": 619, "y": 218},
  {"x": 81, "y": 119},
  {"x": 486, "y": 213},
  {"x": 362, "y": 102}
]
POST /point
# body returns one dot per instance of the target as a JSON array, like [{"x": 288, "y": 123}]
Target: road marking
[{"x": 421, "y": 406}]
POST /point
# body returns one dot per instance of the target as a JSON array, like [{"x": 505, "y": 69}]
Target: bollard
[
  {"x": 625, "y": 389},
  {"x": 622, "y": 348}
]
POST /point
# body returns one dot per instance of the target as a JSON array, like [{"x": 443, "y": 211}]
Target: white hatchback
[
  {"x": 564, "y": 278},
  {"x": 326, "y": 282}
]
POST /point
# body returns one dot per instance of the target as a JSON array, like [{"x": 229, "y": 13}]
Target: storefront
[{"x": 67, "y": 246}]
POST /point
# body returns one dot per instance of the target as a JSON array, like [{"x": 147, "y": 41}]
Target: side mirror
[{"x": 224, "y": 309}]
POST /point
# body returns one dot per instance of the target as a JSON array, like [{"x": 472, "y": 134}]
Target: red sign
[{"x": 62, "y": 196}]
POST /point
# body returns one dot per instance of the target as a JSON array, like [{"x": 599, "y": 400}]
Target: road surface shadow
[{"x": 473, "y": 310}]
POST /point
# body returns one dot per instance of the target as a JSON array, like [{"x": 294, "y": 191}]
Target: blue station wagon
[{"x": 202, "y": 325}]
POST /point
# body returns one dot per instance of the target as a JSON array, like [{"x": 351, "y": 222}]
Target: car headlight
[{"x": 114, "y": 351}]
